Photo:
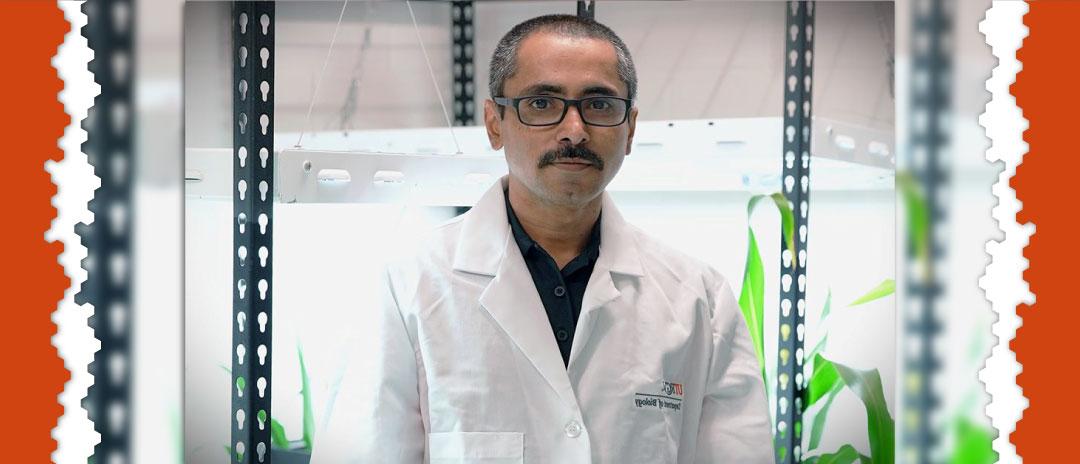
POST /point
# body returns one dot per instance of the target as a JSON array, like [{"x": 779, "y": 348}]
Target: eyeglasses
[{"x": 547, "y": 110}]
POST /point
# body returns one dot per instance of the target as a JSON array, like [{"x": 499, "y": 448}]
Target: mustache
[{"x": 575, "y": 152}]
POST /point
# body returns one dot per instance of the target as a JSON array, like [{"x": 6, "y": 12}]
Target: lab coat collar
[{"x": 486, "y": 228}]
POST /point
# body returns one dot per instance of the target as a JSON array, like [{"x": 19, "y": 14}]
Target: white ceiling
[{"x": 694, "y": 60}]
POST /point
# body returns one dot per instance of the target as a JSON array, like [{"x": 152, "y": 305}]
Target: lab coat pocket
[{"x": 476, "y": 447}]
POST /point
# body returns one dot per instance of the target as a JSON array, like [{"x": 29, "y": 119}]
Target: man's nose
[{"x": 572, "y": 128}]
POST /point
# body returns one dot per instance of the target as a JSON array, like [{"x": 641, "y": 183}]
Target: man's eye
[
  {"x": 540, "y": 103},
  {"x": 600, "y": 104}
]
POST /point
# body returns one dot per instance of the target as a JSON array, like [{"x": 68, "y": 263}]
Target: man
[{"x": 540, "y": 327}]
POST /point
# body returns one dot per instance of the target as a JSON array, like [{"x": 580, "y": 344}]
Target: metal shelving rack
[
  {"x": 923, "y": 287},
  {"x": 109, "y": 31},
  {"x": 798, "y": 79},
  {"x": 253, "y": 26},
  {"x": 586, "y": 9},
  {"x": 463, "y": 30}
]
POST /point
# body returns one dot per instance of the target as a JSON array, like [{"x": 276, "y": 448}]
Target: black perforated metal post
[
  {"x": 110, "y": 140},
  {"x": 253, "y": 214},
  {"x": 461, "y": 14},
  {"x": 798, "y": 79},
  {"x": 586, "y": 9},
  {"x": 927, "y": 142}
]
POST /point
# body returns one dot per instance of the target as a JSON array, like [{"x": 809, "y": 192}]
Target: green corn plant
[
  {"x": 752, "y": 295},
  {"x": 845, "y": 455},
  {"x": 972, "y": 443},
  {"x": 917, "y": 214},
  {"x": 278, "y": 437},
  {"x": 828, "y": 377}
]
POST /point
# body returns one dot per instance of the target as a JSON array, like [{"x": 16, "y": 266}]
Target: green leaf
[
  {"x": 305, "y": 392},
  {"x": 787, "y": 219},
  {"x": 770, "y": 388},
  {"x": 277, "y": 435},
  {"x": 825, "y": 379},
  {"x": 828, "y": 305},
  {"x": 879, "y": 423},
  {"x": 820, "y": 347},
  {"x": 752, "y": 294},
  {"x": 812, "y": 356},
  {"x": 751, "y": 297},
  {"x": 818, "y": 428},
  {"x": 787, "y": 223},
  {"x": 918, "y": 215},
  {"x": 845, "y": 455},
  {"x": 885, "y": 288},
  {"x": 973, "y": 444}
]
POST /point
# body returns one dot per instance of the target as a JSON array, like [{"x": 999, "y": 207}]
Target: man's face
[{"x": 570, "y": 163}]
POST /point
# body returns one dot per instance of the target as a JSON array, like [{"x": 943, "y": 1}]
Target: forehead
[{"x": 572, "y": 63}]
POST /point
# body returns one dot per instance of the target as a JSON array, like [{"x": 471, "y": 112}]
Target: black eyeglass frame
[{"x": 567, "y": 103}]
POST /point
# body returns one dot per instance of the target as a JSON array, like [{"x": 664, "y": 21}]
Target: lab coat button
[
  {"x": 573, "y": 429},
  {"x": 560, "y": 291}
]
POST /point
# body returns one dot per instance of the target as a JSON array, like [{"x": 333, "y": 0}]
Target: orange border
[
  {"x": 1047, "y": 89},
  {"x": 33, "y": 282}
]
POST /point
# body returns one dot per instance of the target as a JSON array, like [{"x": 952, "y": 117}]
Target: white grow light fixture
[{"x": 398, "y": 166}]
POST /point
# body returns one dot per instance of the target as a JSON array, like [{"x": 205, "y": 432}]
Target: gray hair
[{"x": 503, "y": 61}]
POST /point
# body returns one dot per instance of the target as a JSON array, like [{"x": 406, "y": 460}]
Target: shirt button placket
[{"x": 562, "y": 335}]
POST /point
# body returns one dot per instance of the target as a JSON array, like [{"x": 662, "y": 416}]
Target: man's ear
[
  {"x": 633, "y": 125},
  {"x": 492, "y": 121}
]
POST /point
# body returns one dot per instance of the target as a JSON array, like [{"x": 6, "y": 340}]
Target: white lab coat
[{"x": 467, "y": 370}]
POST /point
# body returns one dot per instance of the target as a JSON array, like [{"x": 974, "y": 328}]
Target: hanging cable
[
  {"x": 434, "y": 81},
  {"x": 318, "y": 82}
]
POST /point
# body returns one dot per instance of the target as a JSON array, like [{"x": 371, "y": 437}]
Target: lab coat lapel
[
  {"x": 619, "y": 261},
  {"x": 600, "y": 291},
  {"x": 487, "y": 247},
  {"x": 512, "y": 300}
]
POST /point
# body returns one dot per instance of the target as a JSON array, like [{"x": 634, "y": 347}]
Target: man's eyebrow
[
  {"x": 601, "y": 90},
  {"x": 536, "y": 89},
  {"x": 542, "y": 88}
]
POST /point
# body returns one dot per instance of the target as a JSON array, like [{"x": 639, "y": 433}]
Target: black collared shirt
[{"x": 561, "y": 291}]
